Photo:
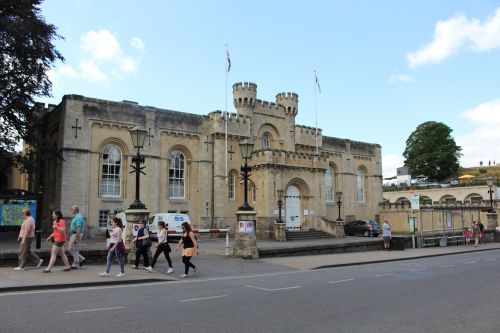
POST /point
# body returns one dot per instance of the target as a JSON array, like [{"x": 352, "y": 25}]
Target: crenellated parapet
[
  {"x": 306, "y": 135},
  {"x": 244, "y": 96},
  {"x": 290, "y": 101}
]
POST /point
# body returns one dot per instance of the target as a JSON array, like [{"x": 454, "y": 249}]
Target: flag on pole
[
  {"x": 228, "y": 60},
  {"x": 317, "y": 82}
]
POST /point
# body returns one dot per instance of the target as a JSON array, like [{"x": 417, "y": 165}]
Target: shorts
[
  {"x": 189, "y": 252},
  {"x": 387, "y": 238},
  {"x": 59, "y": 244}
]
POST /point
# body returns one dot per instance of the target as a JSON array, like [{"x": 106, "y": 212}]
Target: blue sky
[{"x": 384, "y": 66}]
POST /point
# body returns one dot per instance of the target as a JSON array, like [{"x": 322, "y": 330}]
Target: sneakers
[
  {"x": 39, "y": 263},
  {"x": 120, "y": 275},
  {"x": 149, "y": 269},
  {"x": 134, "y": 267},
  {"x": 183, "y": 276},
  {"x": 83, "y": 262},
  {"x": 19, "y": 268},
  {"x": 103, "y": 274},
  {"x": 170, "y": 270}
]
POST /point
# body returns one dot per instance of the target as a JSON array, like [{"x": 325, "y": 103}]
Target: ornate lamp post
[
  {"x": 138, "y": 135},
  {"x": 280, "y": 203},
  {"x": 339, "y": 203},
  {"x": 489, "y": 182},
  {"x": 246, "y": 148}
]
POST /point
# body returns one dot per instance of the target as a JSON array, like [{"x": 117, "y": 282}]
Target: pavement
[{"x": 212, "y": 262}]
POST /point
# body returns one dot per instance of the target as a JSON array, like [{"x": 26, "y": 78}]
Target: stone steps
[{"x": 305, "y": 235}]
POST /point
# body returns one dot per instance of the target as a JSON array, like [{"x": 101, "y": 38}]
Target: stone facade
[{"x": 185, "y": 160}]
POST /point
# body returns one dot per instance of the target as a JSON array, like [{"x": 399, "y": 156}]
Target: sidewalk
[{"x": 212, "y": 263}]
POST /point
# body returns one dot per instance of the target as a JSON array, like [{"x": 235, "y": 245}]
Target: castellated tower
[
  {"x": 244, "y": 95},
  {"x": 290, "y": 101}
]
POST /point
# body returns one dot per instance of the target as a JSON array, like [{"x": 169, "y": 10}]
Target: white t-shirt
[
  {"x": 162, "y": 236},
  {"x": 115, "y": 232},
  {"x": 386, "y": 230}
]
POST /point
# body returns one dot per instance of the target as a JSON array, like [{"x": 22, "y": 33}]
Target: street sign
[{"x": 415, "y": 201}]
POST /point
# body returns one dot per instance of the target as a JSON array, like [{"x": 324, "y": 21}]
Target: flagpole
[
  {"x": 225, "y": 119},
  {"x": 316, "y": 109}
]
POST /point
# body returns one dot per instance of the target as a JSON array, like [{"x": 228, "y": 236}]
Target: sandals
[
  {"x": 46, "y": 271},
  {"x": 66, "y": 269}
]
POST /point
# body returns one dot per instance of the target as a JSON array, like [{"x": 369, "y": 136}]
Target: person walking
[
  {"x": 476, "y": 233},
  {"x": 162, "y": 246},
  {"x": 189, "y": 250},
  {"x": 467, "y": 235},
  {"x": 386, "y": 235},
  {"x": 58, "y": 236},
  {"x": 77, "y": 228},
  {"x": 116, "y": 248},
  {"x": 26, "y": 235},
  {"x": 481, "y": 231},
  {"x": 142, "y": 243}
]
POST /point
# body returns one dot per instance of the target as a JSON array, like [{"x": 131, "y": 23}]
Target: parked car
[{"x": 362, "y": 227}]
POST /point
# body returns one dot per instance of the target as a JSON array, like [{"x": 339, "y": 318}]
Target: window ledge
[{"x": 111, "y": 199}]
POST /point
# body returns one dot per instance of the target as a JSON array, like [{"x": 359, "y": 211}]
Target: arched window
[
  {"x": 110, "y": 171},
  {"x": 329, "y": 184},
  {"x": 231, "y": 185},
  {"x": 360, "y": 185},
  {"x": 176, "y": 175},
  {"x": 266, "y": 138}
]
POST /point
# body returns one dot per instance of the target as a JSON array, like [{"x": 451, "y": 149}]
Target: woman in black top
[
  {"x": 141, "y": 242},
  {"x": 190, "y": 248}
]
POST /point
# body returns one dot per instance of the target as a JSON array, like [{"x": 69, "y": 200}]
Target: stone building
[{"x": 186, "y": 171}]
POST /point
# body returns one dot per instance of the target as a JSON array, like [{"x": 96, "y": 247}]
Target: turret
[
  {"x": 244, "y": 95},
  {"x": 290, "y": 101}
]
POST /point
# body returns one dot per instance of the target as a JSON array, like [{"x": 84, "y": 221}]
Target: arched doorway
[{"x": 292, "y": 208}]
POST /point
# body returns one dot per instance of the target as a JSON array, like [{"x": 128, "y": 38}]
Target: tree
[
  {"x": 27, "y": 54},
  {"x": 431, "y": 151}
]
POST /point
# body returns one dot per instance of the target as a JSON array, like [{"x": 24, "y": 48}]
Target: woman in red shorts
[{"x": 59, "y": 237}]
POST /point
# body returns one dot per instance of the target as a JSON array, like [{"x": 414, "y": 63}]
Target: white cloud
[
  {"x": 102, "y": 58},
  {"x": 396, "y": 77},
  {"x": 390, "y": 162},
  {"x": 482, "y": 144},
  {"x": 137, "y": 43},
  {"x": 456, "y": 34}
]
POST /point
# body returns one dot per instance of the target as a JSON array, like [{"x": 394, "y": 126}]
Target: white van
[{"x": 172, "y": 221}]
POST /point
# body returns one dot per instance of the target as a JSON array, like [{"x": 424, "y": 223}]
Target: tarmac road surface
[{"x": 438, "y": 294}]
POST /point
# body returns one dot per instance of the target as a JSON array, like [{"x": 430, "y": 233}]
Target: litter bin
[
  {"x": 443, "y": 241},
  {"x": 398, "y": 243}
]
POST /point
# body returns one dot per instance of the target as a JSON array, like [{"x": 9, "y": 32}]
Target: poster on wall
[
  {"x": 11, "y": 211},
  {"x": 245, "y": 226}
]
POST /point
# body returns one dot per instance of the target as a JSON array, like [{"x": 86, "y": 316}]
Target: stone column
[
  {"x": 279, "y": 231},
  {"x": 245, "y": 242},
  {"x": 133, "y": 217}
]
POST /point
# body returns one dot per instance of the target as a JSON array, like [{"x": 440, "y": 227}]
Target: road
[{"x": 439, "y": 294}]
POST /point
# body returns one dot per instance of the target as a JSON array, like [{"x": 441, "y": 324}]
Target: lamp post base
[
  {"x": 279, "y": 231},
  {"x": 245, "y": 242}
]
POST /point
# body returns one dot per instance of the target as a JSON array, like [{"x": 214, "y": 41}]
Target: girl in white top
[
  {"x": 116, "y": 247},
  {"x": 162, "y": 246}
]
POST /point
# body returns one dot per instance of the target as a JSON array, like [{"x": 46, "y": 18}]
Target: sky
[{"x": 384, "y": 66}]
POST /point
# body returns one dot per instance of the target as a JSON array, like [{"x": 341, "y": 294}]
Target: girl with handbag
[
  {"x": 162, "y": 246},
  {"x": 116, "y": 247},
  {"x": 190, "y": 248},
  {"x": 142, "y": 243}
]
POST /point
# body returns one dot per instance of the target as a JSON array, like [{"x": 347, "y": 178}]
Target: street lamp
[
  {"x": 489, "y": 182},
  {"x": 339, "y": 203},
  {"x": 280, "y": 203},
  {"x": 138, "y": 135},
  {"x": 246, "y": 148}
]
